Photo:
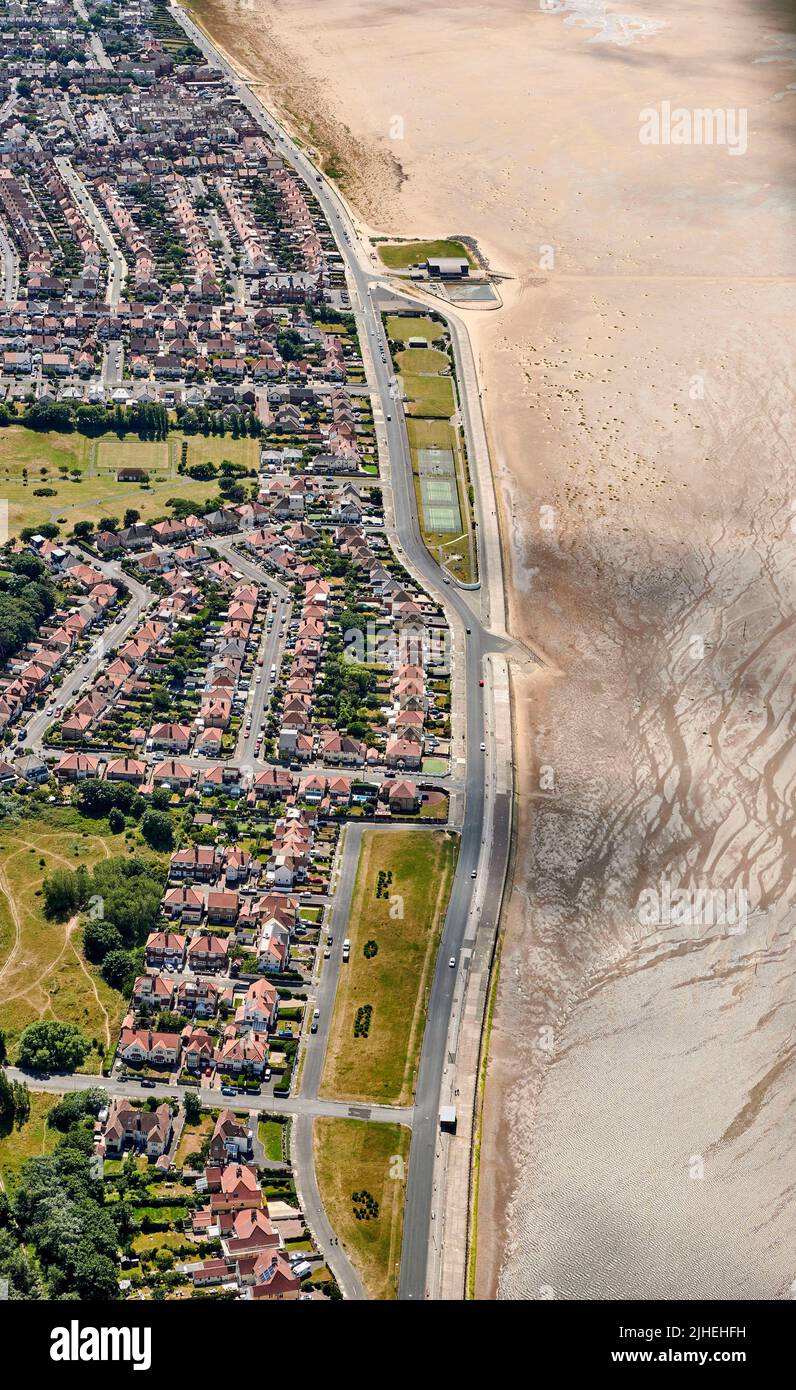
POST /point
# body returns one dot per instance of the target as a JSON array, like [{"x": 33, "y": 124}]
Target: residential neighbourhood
[{"x": 232, "y": 712}]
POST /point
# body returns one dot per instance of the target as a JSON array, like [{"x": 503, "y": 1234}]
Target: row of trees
[
  {"x": 147, "y": 419},
  {"x": 26, "y": 599}
]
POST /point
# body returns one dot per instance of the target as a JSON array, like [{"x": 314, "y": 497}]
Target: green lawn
[
  {"x": 423, "y": 361},
  {"x": 269, "y": 1133},
  {"x": 428, "y": 396},
  {"x": 400, "y": 255},
  {"x": 352, "y": 1156},
  {"x": 405, "y": 922},
  {"x": 401, "y": 327}
]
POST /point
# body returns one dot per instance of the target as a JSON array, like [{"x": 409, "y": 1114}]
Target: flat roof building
[{"x": 448, "y": 267}]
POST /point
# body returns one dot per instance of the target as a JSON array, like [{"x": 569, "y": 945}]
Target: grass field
[
  {"x": 431, "y": 434},
  {"x": 400, "y": 255},
  {"x": 429, "y": 394},
  {"x": 32, "y": 1140},
  {"x": 406, "y": 925},
  {"x": 42, "y": 970},
  {"x": 97, "y": 491},
  {"x": 352, "y": 1156},
  {"x": 400, "y": 328},
  {"x": 422, "y": 361}
]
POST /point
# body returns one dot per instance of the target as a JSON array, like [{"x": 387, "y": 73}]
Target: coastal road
[{"x": 473, "y": 641}]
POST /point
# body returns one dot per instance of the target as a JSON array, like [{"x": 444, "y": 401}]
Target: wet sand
[{"x": 639, "y": 393}]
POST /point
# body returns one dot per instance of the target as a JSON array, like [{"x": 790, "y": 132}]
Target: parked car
[{"x": 229, "y": 1090}]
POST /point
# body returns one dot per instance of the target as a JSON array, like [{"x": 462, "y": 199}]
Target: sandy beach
[{"x": 638, "y": 385}]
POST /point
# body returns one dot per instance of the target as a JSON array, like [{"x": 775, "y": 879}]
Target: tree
[
  {"x": 193, "y": 1109},
  {"x": 52, "y": 1046},
  {"x": 131, "y": 516},
  {"x": 74, "y": 1106},
  {"x": 118, "y": 970},
  {"x": 116, "y": 821},
  {"x": 61, "y": 891},
  {"x": 100, "y": 937},
  {"x": 158, "y": 830},
  {"x": 6, "y": 1102}
]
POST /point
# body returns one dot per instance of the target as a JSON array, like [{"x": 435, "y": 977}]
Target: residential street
[{"x": 468, "y": 614}]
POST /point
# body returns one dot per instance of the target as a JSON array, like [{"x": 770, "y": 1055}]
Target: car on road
[
  {"x": 445, "y": 579},
  {"x": 329, "y": 939},
  {"x": 389, "y": 417},
  {"x": 452, "y": 962},
  {"x": 481, "y": 683},
  {"x": 229, "y": 1090},
  {"x": 327, "y": 953},
  {"x": 148, "y": 1083},
  {"x": 483, "y": 747},
  {"x": 473, "y": 873},
  {"x": 267, "y": 1074}
]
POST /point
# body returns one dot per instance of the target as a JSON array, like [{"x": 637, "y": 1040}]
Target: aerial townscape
[
  {"x": 246, "y": 789},
  {"x": 396, "y": 670}
]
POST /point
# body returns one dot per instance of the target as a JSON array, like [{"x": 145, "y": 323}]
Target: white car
[
  {"x": 474, "y": 873},
  {"x": 452, "y": 962},
  {"x": 483, "y": 747}
]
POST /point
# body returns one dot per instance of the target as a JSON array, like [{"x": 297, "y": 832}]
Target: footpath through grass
[
  {"x": 43, "y": 973},
  {"x": 361, "y": 1171},
  {"x": 401, "y": 894}
]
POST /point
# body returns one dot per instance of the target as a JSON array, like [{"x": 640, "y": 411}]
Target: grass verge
[
  {"x": 373, "y": 1056},
  {"x": 354, "y": 1157}
]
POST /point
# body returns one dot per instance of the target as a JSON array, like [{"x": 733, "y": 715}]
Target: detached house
[
  {"x": 129, "y": 1126},
  {"x": 139, "y": 1045},
  {"x": 231, "y": 1141}
]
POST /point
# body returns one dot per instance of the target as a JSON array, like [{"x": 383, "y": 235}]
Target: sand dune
[{"x": 639, "y": 382}]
